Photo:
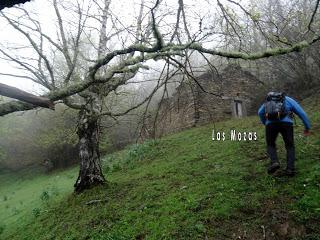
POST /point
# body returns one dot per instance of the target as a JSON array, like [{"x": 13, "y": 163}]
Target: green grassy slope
[{"x": 184, "y": 186}]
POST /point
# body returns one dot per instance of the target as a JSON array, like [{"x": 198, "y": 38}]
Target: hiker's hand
[{"x": 306, "y": 132}]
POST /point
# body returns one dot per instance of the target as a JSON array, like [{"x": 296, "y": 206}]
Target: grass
[
  {"x": 184, "y": 186},
  {"x": 27, "y": 194}
]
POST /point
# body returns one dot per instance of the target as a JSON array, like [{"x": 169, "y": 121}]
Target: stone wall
[{"x": 191, "y": 106}]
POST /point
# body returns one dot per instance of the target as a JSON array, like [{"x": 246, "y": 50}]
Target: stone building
[{"x": 232, "y": 93}]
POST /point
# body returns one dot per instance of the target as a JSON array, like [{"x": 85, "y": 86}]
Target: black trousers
[{"x": 286, "y": 130}]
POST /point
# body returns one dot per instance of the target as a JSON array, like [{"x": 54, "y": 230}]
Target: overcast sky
[{"x": 8, "y": 34}]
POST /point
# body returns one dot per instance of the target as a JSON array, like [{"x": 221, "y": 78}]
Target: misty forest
[{"x": 139, "y": 119}]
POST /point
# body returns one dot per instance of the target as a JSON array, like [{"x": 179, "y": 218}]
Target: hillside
[{"x": 184, "y": 186}]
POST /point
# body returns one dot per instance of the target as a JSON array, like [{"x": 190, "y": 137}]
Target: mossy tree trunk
[{"x": 90, "y": 173}]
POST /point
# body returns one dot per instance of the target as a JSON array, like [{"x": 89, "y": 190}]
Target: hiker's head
[
  {"x": 271, "y": 93},
  {"x": 275, "y": 95}
]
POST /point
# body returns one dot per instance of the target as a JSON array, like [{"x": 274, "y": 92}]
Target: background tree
[{"x": 40, "y": 138}]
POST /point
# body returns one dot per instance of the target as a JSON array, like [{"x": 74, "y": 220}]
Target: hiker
[{"x": 277, "y": 115}]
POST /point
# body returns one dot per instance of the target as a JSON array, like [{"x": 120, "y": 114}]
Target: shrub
[
  {"x": 45, "y": 195},
  {"x": 138, "y": 152},
  {"x": 36, "y": 212},
  {"x": 2, "y": 227}
]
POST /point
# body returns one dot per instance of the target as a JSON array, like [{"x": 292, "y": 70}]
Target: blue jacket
[{"x": 290, "y": 105}]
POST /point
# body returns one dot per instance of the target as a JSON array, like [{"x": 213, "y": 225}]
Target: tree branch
[
  {"x": 313, "y": 15},
  {"x": 16, "y": 93}
]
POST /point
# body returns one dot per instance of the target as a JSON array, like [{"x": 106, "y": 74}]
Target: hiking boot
[
  {"x": 273, "y": 167},
  {"x": 290, "y": 172}
]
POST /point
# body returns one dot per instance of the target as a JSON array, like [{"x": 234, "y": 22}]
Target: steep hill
[{"x": 184, "y": 186}]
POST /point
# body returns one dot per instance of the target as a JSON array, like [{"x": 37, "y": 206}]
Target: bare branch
[
  {"x": 62, "y": 34},
  {"x": 313, "y": 15},
  {"x": 16, "y": 93},
  {"x": 34, "y": 45},
  {"x": 18, "y": 76},
  {"x": 31, "y": 69}
]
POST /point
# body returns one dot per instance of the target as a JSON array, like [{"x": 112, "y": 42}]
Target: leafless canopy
[{"x": 64, "y": 65}]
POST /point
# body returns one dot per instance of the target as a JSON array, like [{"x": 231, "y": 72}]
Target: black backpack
[{"x": 275, "y": 106}]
